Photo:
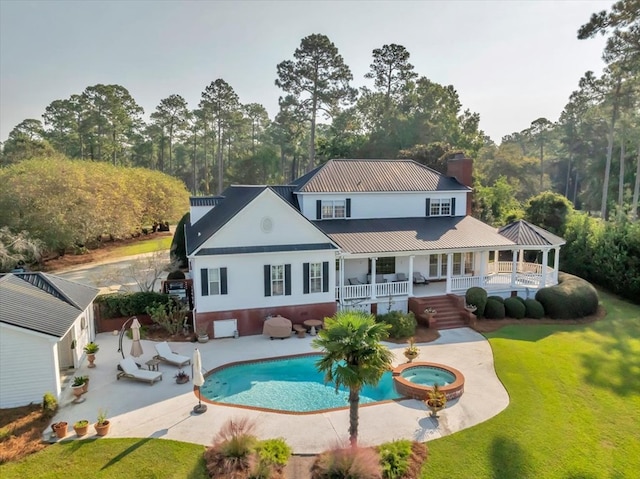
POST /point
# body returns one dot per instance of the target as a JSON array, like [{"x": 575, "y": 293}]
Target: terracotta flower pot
[
  {"x": 60, "y": 428},
  {"x": 410, "y": 356},
  {"x": 102, "y": 429},
  {"x": 91, "y": 357},
  {"x": 81, "y": 430}
]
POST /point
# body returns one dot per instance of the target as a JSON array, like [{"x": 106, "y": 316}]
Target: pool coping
[{"x": 281, "y": 411}]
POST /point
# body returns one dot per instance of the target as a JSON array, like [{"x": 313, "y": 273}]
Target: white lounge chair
[
  {"x": 419, "y": 279},
  {"x": 131, "y": 370},
  {"x": 165, "y": 354}
]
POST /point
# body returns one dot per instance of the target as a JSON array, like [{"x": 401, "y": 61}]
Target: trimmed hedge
[
  {"x": 514, "y": 308},
  {"x": 494, "y": 309},
  {"x": 118, "y": 305},
  {"x": 533, "y": 309},
  {"x": 571, "y": 298},
  {"x": 499, "y": 299},
  {"x": 402, "y": 325},
  {"x": 478, "y": 297}
]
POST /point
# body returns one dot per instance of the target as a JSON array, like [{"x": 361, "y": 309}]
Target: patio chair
[
  {"x": 419, "y": 279},
  {"x": 131, "y": 370},
  {"x": 165, "y": 354},
  {"x": 354, "y": 281},
  {"x": 401, "y": 277}
]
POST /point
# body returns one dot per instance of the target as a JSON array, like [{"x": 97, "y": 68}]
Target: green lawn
[
  {"x": 574, "y": 413},
  {"x": 146, "y": 246},
  {"x": 574, "y": 410}
]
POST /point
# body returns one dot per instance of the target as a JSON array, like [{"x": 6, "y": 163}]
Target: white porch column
[
  {"x": 373, "y": 277},
  {"x": 449, "y": 271},
  {"x": 484, "y": 257},
  {"x": 521, "y": 260},
  {"x": 514, "y": 267},
  {"x": 496, "y": 256},
  {"x": 556, "y": 264},
  {"x": 410, "y": 276},
  {"x": 545, "y": 260},
  {"x": 341, "y": 278}
]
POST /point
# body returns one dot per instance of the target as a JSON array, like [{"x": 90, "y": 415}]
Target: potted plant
[
  {"x": 91, "y": 349},
  {"x": 81, "y": 427},
  {"x": 430, "y": 314},
  {"x": 436, "y": 400},
  {"x": 411, "y": 352},
  {"x": 181, "y": 377},
  {"x": 60, "y": 429},
  {"x": 85, "y": 386},
  {"x": 203, "y": 336},
  {"x": 102, "y": 424},
  {"x": 470, "y": 307},
  {"x": 77, "y": 387}
]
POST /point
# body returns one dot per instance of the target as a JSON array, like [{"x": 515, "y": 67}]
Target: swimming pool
[{"x": 289, "y": 384}]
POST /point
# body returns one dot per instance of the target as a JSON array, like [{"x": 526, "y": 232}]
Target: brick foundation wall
[{"x": 250, "y": 321}]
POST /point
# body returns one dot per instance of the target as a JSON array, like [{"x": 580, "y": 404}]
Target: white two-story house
[{"x": 365, "y": 234}]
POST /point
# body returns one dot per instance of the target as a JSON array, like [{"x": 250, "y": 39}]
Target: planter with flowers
[
  {"x": 411, "y": 352},
  {"x": 91, "y": 349},
  {"x": 430, "y": 315},
  {"x": 436, "y": 400},
  {"x": 181, "y": 377}
]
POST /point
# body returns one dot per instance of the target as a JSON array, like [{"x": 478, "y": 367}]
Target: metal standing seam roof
[
  {"x": 524, "y": 233},
  {"x": 41, "y": 302},
  {"x": 205, "y": 200},
  {"x": 390, "y": 235},
  {"x": 353, "y": 176}
]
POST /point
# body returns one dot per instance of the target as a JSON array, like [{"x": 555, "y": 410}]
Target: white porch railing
[
  {"x": 358, "y": 291},
  {"x": 507, "y": 266},
  {"x": 502, "y": 280}
]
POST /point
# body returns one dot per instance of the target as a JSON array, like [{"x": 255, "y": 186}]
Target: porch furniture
[
  {"x": 419, "y": 279},
  {"x": 165, "y": 354},
  {"x": 379, "y": 279},
  {"x": 313, "y": 324},
  {"x": 277, "y": 327},
  {"x": 152, "y": 364},
  {"x": 131, "y": 370},
  {"x": 354, "y": 281},
  {"x": 401, "y": 277},
  {"x": 300, "y": 330}
]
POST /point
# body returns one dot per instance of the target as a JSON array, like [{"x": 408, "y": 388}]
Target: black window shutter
[
  {"x": 287, "y": 279},
  {"x": 204, "y": 279},
  {"x": 453, "y": 206},
  {"x": 428, "y": 213},
  {"x": 267, "y": 280},
  {"x": 223, "y": 280},
  {"x": 305, "y": 278},
  {"x": 318, "y": 209},
  {"x": 325, "y": 277},
  {"x": 348, "y": 207}
]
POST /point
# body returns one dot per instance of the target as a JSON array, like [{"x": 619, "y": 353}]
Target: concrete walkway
[{"x": 164, "y": 410}]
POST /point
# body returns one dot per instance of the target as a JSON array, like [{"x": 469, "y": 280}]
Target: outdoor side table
[
  {"x": 312, "y": 324},
  {"x": 152, "y": 364}
]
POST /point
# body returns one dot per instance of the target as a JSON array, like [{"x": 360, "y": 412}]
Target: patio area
[{"x": 165, "y": 409}]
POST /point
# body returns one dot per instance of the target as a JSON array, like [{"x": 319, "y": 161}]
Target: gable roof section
[
  {"x": 205, "y": 200},
  {"x": 41, "y": 302},
  {"x": 286, "y": 192},
  {"x": 412, "y": 234},
  {"x": 354, "y": 176},
  {"x": 524, "y": 233}
]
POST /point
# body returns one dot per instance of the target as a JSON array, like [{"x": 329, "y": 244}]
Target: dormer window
[
  {"x": 333, "y": 209},
  {"x": 441, "y": 207}
]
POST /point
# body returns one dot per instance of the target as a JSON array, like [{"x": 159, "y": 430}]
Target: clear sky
[{"x": 511, "y": 61}]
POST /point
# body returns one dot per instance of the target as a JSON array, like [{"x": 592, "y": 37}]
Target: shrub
[
  {"x": 478, "y": 297},
  {"x": 232, "y": 450},
  {"x": 178, "y": 250},
  {"x": 514, "y": 308},
  {"x": 169, "y": 317},
  {"x": 499, "y": 299},
  {"x": 119, "y": 305},
  {"x": 519, "y": 299},
  {"x": 177, "y": 274},
  {"x": 533, "y": 309},
  {"x": 402, "y": 459},
  {"x": 402, "y": 325},
  {"x": 49, "y": 405},
  {"x": 494, "y": 309},
  {"x": 274, "y": 451},
  {"x": 351, "y": 463},
  {"x": 572, "y": 297}
]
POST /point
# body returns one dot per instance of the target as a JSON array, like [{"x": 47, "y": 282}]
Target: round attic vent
[{"x": 266, "y": 224}]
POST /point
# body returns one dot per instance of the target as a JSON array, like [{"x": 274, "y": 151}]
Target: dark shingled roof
[
  {"x": 412, "y": 234},
  {"x": 42, "y": 302},
  {"x": 286, "y": 191},
  {"x": 349, "y": 176},
  {"x": 205, "y": 200},
  {"x": 525, "y": 234},
  {"x": 277, "y": 248}
]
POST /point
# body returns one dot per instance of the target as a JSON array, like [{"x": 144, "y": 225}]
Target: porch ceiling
[{"x": 412, "y": 234}]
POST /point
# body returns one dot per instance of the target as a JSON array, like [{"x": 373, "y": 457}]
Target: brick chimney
[{"x": 461, "y": 168}]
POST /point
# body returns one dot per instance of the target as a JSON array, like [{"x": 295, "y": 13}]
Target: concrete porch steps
[{"x": 448, "y": 314}]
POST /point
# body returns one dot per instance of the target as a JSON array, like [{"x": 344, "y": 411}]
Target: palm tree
[{"x": 353, "y": 357}]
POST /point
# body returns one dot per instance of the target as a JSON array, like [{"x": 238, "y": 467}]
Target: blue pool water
[
  {"x": 286, "y": 384},
  {"x": 428, "y": 376}
]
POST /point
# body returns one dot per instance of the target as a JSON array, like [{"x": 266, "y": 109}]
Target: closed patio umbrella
[
  {"x": 136, "y": 347},
  {"x": 198, "y": 380}
]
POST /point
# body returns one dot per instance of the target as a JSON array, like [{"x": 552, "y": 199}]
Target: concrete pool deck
[{"x": 165, "y": 409}]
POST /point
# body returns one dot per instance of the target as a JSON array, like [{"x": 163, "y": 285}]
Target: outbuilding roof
[
  {"x": 42, "y": 302},
  {"x": 352, "y": 176},
  {"x": 523, "y": 233},
  {"x": 389, "y": 235}
]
